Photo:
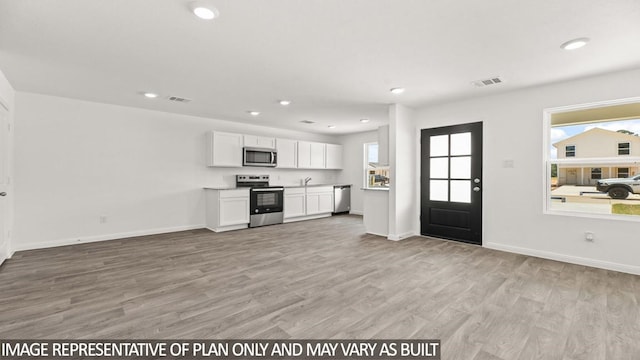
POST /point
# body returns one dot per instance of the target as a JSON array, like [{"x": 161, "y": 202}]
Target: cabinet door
[
  {"x": 325, "y": 202},
  {"x": 313, "y": 204},
  {"x": 294, "y": 205},
  {"x": 304, "y": 154},
  {"x": 317, "y": 156},
  {"x": 287, "y": 153},
  {"x": 225, "y": 149},
  {"x": 234, "y": 211},
  {"x": 259, "y": 141},
  {"x": 334, "y": 156}
]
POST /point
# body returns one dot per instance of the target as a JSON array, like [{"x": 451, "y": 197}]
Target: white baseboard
[
  {"x": 630, "y": 269},
  {"x": 356, "y": 212},
  {"x": 88, "y": 239},
  {"x": 229, "y": 228},
  {"x": 398, "y": 237},
  {"x": 307, "y": 217}
]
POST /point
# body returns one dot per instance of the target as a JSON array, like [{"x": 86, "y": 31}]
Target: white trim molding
[
  {"x": 89, "y": 239},
  {"x": 398, "y": 237},
  {"x": 630, "y": 269}
]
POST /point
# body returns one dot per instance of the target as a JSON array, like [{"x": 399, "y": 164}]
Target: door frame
[
  {"x": 6, "y": 249},
  {"x": 479, "y": 223}
]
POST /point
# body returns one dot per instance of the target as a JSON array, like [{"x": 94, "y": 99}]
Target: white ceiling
[{"x": 334, "y": 59}]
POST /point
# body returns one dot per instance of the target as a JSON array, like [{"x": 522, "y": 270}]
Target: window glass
[
  {"x": 623, "y": 148},
  {"x": 586, "y": 172},
  {"x": 375, "y": 176},
  {"x": 623, "y": 172},
  {"x": 570, "y": 151}
]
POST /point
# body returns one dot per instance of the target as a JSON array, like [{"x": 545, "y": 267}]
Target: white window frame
[
  {"x": 575, "y": 150},
  {"x": 618, "y": 171},
  {"x": 628, "y": 148},
  {"x": 547, "y": 161}
]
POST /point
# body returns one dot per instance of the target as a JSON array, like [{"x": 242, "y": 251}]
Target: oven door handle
[{"x": 269, "y": 189}]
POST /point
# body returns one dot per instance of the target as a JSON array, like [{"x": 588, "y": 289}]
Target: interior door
[
  {"x": 451, "y": 182},
  {"x": 4, "y": 160}
]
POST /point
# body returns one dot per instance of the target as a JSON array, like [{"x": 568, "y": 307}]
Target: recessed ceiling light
[
  {"x": 203, "y": 10},
  {"x": 150, "y": 95},
  {"x": 331, "y": 126},
  {"x": 397, "y": 90},
  {"x": 254, "y": 113},
  {"x": 364, "y": 120},
  {"x": 284, "y": 102},
  {"x": 575, "y": 44}
]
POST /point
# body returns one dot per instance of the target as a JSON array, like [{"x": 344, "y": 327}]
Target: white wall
[
  {"x": 144, "y": 170},
  {"x": 353, "y": 173},
  {"x": 403, "y": 217},
  {"x": 7, "y": 95},
  {"x": 513, "y": 197}
]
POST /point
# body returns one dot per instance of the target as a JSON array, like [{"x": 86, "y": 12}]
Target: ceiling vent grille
[
  {"x": 178, "y": 99},
  {"x": 486, "y": 82},
  {"x": 307, "y": 122}
]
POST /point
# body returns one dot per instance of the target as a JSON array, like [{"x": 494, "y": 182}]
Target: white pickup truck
[{"x": 620, "y": 188}]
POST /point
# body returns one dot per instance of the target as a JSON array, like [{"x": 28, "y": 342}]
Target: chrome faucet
[{"x": 306, "y": 180}]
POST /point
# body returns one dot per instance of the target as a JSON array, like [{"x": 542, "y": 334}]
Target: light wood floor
[{"x": 322, "y": 279}]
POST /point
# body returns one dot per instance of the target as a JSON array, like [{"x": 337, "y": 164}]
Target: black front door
[{"x": 451, "y": 182}]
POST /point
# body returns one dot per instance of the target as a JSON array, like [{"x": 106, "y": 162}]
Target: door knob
[
  {"x": 3, "y": 193},
  {"x": 476, "y": 189}
]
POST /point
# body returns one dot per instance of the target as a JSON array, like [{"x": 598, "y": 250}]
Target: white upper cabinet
[
  {"x": 304, "y": 154},
  {"x": 287, "y": 153},
  {"x": 259, "y": 141},
  {"x": 318, "y": 156},
  {"x": 311, "y": 155},
  {"x": 224, "y": 149},
  {"x": 334, "y": 156}
]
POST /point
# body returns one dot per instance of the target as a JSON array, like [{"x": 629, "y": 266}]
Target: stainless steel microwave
[{"x": 259, "y": 157}]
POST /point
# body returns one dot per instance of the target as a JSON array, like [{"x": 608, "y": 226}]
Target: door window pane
[
  {"x": 439, "y": 190},
  {"x": 461, "y": 144},
  {"x": 439, "y": 168},
  {"x": 461, "y": 191},
  {"x": 461, "y": 167},
  {"x": 439, "y": 145}
]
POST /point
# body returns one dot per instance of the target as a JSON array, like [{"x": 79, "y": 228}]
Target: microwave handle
[{"x": 273, "y": 157}]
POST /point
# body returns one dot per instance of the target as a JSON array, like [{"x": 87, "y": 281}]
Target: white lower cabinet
[
  {"x": 302, "y": 203},
  {"x": 294, "y": 202},
  {"x": 227, "y": 209},
  {"x": 319, "y": 200}
]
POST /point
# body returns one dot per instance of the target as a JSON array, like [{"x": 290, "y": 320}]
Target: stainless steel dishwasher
[{"x": 341, "y": 199}]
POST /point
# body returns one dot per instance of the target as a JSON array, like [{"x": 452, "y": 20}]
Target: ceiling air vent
[
  {"x": 487, "y": 82},
  {"x": 178, "y": 99},
  {"x": 307, "y": 122}
]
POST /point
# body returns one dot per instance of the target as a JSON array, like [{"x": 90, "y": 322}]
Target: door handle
[
  {"x": 3, "y": 193},
  {"x": 476, "y": 189}
]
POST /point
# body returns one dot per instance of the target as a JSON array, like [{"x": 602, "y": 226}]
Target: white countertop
[
  {"x": 222, "y": 187},
  {"x": 376, "y": 189}
]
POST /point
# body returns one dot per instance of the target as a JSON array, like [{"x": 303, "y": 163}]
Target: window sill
[{"x": 632, "y": 218}]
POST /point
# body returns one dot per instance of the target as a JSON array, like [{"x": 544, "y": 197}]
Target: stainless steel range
[{"x": 266, "y": 202}]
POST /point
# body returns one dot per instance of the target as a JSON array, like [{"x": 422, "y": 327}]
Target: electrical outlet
[
  {"x": 102, "y": 219},
  {"x": 589, "y": 236}
]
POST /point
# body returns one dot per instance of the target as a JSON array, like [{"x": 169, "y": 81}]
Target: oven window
[{"x": 267, "y": 199}]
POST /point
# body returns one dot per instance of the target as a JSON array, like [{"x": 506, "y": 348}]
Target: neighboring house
[{"x": 597, "y": 154}]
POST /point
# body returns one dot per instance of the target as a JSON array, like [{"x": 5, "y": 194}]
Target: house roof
[{"x": 621, "y": 136}]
